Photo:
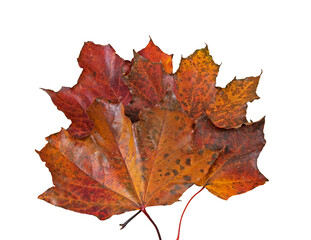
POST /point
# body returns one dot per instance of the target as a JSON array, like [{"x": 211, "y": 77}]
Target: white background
[{"x": 40, "y": 42}]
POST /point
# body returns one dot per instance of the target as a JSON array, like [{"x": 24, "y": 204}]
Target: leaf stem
[
  {"x": 185, "y": 210},
  {"x": 123, "y": 225},
  {"x": 150, "y": 219}
]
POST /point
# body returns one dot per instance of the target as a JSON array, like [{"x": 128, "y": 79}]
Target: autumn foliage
[{"x": 141, "y": 136}]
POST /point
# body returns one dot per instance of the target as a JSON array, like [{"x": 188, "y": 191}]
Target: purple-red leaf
[
  {"x": 148, "y": 83},
  {"x": 101, "y": 77},
  {"x": 235, "y": 171}
]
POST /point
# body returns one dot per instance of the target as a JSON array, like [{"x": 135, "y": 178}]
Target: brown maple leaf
[{"x": 123, "y": 166}]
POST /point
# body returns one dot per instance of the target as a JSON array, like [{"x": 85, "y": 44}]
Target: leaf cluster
[{"x": 141, "y": 135}]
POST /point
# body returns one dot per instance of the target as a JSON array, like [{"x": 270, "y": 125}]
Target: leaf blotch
[
  {"x": 187, "y": 178},
  {"x": 188, "y": 161}
]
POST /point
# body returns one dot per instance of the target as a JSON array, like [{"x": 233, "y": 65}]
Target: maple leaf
[
  {"x": 196, "y": 91},
  {"x": 101, "y": 77},
  {"x": 148, "y": 82},
  {"x": 195, "y": 82},
  {"x": 156, "y": 55},
  {"x": 235, "y": 171},
  {"x": 123, "y": 166},
  {"x": 229, "y": 108}
]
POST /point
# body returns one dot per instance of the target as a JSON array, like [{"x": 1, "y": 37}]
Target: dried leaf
[
  {"x": 195, "y": 82},
  {"x": 136, "y": 165},
  {"x": 101, "y": 77},
  {"x": 148, "y": 83},
  {"x": 196, "y": 91},
  {"x": 156, "y": 55},
  {"x": 141, "y": 136},
  {"x": 235, "y": 171},
  {"x": 229, "y": 108}
]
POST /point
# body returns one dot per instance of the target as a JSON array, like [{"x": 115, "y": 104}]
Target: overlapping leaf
[
  {"x": 197, "y": 92},
  {"x": 136, "y": 165},
  {"x": 148, "y": 83},
  {"x": 195, "y": 82},
  {"x": 101, "y": 77},
  {"x": 229, "y": 108},
  {"x": 235, "y": 171},
  {"x": 155, "y": 55}
]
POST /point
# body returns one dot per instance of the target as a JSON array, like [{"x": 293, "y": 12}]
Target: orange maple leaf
[{"x": 123, "y": 166}]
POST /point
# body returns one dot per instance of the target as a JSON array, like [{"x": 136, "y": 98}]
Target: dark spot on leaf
[
  {"x": 176, "y": 118},
  {"x": 186, "y": 184},
  {"x": 143, "y": 168},
  {"x": 166, "y": 155},
  {"x": 187, "y": 178},
  {"x": 178, "y": 161},
  {"x": 201, "y": 170},
  {"x": 188, "y": 161},
  {"x": 210, "y": 162},
  {"x": 177, "y": 187},
  {"x": 175, "y": 172},
  {"x": 167, "y": 173},
  {"x": 200, "y": 152}
]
